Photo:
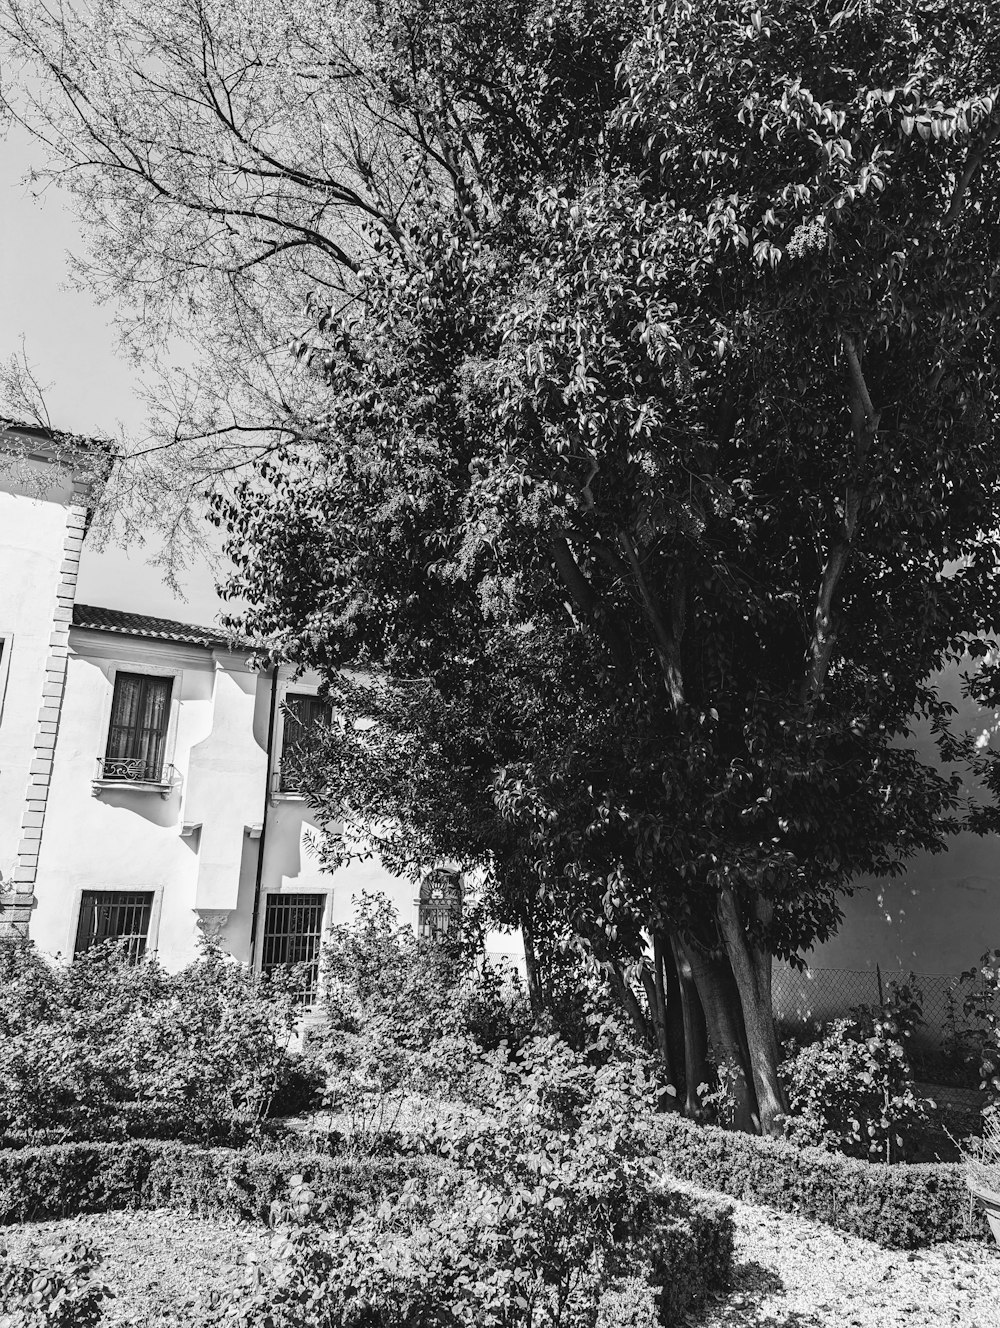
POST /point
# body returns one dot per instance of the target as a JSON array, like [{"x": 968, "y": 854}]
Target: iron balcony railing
[{"x": 132, "y": 770}]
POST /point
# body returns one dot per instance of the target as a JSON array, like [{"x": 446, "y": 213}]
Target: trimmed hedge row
[
  {"x": 689, "y": 1249},
  {"x": 61, "y": 1180},
  {"x": 899, "y": 1207}
]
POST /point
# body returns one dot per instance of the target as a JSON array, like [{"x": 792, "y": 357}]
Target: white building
[{"x": 147, "y": 771}]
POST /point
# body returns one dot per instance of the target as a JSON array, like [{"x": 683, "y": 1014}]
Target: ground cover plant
[
  {"x": 110, "y": 1048},
  {"x": 57, "y": 1288}
]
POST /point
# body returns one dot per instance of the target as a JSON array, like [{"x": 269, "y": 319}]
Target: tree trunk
[
  {"x": 626, "y": 999},
  {"x": 693, "y": 1028},
  {"x": 752, "y": 971},
  {"x": 653, "y": 991},
  {"x": 652, "y": 985},
  {"x": 675, "y": 1017},
  {"x": 719, "y": 998},
  {"x": 536, "y": 997}
]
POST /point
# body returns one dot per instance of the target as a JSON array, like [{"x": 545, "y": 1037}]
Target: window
[
  {"x": 113, "y": 915},
  {"x": 440, "y": 909},
  {"x": 305, "y": 714},
  {"x": 293, "y": 929},
  {"x": 140, "y": 713}
]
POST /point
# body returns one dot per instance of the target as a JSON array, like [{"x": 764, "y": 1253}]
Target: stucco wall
[
  {"x": 226, "y": 782},
  {"x": 125, "y": 839},
  {"x": 943, "y": 912},
  {"x": 120, "y": 838}
]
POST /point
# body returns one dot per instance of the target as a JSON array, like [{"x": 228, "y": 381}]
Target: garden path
[{"x": 792, "y": 1272}]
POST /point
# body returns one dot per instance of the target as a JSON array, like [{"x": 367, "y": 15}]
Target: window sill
[{"x": 131, "y": 786}]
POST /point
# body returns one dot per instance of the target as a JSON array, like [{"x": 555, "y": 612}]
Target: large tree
[
  {"x": 724, "y": 398},
  {"x": 677, "y": 357}
]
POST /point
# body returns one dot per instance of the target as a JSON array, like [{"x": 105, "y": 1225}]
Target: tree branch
[
  {"x": 589, "y": 602},
  {"x": 972, "y": 165},
  {"x": 668, "y": 638},
  {"x": 864, "y": 424}
]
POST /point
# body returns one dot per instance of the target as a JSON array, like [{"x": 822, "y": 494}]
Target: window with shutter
[
  {"x": 140, "y": 713},
  {"x": 304, "y": 715}
]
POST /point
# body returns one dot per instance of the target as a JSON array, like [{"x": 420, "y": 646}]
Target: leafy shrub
[
  {"x": 210, "y": 1057},
  {"x": 55, "y": 1290},
  {"x": 375, "y": 970},
  {"x": 106, "y": 1048},
  {"x": 899, "y": 1207},
  {"x": 553, "y": 1211},
  {"x": 405, "y": 1020},
  {"x": 300, "y": 1087},
  {"x": 981, "y": 1006},
  {"x": 372, "y": 968},
  {"x": 853, "y": 1090}
]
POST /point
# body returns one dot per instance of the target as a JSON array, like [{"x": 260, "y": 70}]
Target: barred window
[
  {"x": 293, "y": 930},
  {"x": 114, "y": 915},
  {"x": 440, "y": 909},
  {"x": 305, "y": 714},
  {"x": 140, "y": 712}
]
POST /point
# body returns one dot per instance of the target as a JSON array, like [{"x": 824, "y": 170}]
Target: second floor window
[
  {"x": 305, "y": 715},
  {"x": 137, "y": 736}
]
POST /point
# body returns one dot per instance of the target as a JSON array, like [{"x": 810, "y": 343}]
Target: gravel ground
[
  {"x": 791, "y": 1272},
  {"x": 158, "y": 1264}
]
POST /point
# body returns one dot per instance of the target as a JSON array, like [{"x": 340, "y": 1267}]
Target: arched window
[{"x": 440, "y": 908}]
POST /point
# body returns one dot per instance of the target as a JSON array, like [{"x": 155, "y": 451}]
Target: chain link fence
[
  {"x": 945, "y": 1054},
  {"x": 945, "y": 1050}
]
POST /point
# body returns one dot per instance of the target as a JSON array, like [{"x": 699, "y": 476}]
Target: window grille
[
  {"x": 440, "y": 907},
  {"x": 114, "y": 915},
  {"x": 305, "y": 715},
  {"x": 293, "y": 930},
  {"x": 140, "y": 712}
]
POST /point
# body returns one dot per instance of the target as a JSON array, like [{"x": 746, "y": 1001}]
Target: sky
[{"x": 70, "y": 342}]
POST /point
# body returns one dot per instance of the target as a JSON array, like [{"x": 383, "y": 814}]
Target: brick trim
[{"x": 18, "y": 900}]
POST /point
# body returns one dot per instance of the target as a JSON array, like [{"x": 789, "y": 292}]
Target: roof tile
[{"x": 140, "y": 624}]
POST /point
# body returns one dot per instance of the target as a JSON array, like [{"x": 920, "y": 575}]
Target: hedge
[
  {"x": 61, "y": 1180},
  {"x": 899, "y": 1207},
  {"x": 689, "y": 1251}
]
